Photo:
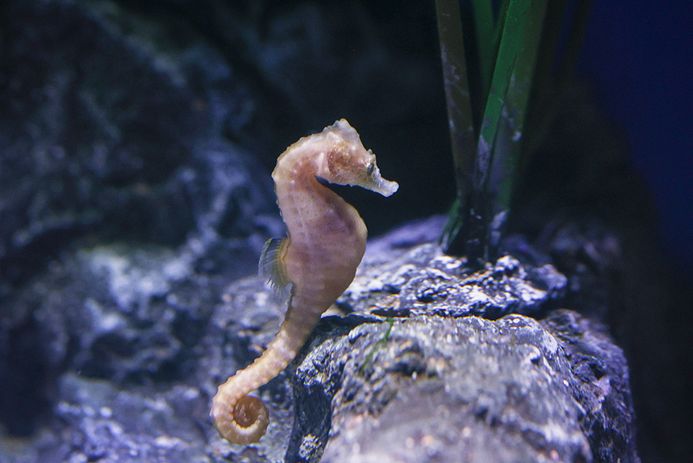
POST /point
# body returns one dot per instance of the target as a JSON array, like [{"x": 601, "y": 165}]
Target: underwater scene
[{"x": 324, "y": 231}]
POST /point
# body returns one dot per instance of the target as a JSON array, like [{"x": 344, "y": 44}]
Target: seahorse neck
[{"x": 307, "y": 206}]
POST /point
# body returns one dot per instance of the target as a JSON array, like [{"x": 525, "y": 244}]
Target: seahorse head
[{"x": 347, "y": 162}]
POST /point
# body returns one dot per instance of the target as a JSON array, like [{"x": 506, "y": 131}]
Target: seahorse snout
[{"x": 380, "y": 185}]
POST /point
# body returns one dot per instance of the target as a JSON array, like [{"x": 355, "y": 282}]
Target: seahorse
[{"x": 317, "y": 260}]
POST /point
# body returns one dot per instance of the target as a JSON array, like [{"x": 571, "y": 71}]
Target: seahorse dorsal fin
[{"x": 272, "y": 266}]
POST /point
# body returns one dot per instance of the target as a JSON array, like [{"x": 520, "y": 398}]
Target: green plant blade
[
  {"x": 485, "y": 26},
  {"x": 459, "y": 105},
  {"x": 503, "y": 120}
]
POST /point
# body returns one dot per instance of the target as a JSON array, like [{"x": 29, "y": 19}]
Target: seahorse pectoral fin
[{"x": 272, "y": 266}]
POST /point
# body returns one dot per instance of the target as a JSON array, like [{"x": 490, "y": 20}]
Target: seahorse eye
[{"x": 371, "y": 167}]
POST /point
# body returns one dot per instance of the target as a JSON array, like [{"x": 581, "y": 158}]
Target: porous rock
[
  {"x": 407, "y": 386},
  {"x": 460, "y": 385}
]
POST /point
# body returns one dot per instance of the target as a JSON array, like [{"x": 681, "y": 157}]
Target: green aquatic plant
[{"x": 497, "y": 68}]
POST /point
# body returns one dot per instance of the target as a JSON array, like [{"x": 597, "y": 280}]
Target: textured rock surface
[
  {"x": 442, "y": 389},
  {"x": 88, "y": 150},
  {"x": 420, "y": 387},
  {"x": 423, "y": 281},
  {"x": 124, "y": 213},
  {"x": 122, "y": 387}
]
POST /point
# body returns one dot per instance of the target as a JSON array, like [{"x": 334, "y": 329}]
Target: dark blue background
[{"x": 638, "y": 55}]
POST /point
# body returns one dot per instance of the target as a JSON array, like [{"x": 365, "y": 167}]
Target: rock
[
  {"x": 424, "y": 281},
  {"x": 87, "y": 149},
  {"x": 407, "y": 386},
  {"x": 424, "y": 387},
  {"x": 124, "y": 210},
  {"x": 450, "y": 389}
]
